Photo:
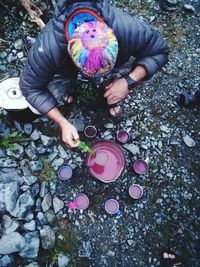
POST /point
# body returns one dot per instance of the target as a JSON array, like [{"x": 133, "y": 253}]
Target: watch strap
[{"x": 131, "y": 82}]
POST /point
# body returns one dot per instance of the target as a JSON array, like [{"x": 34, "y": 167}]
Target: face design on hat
[
  {"x": 93, "y": 48},
  {"x": 93, "y": 38}
]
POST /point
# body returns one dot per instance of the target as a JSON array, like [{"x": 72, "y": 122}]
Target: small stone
[
  {"x": 17, "y": 151},
  {"x": 28, "y": 128},
  {"x": 132, "y": 148},
  {"x": 30, "y": 226},
  {"x": 9, "y": 225},
  {"x": 36, "y": 165},
  {"x": 130, "y": 242},
  {"x": 20, "y": 55},
  {"x": 11, "y": 243},
  {"x": 35, "y": 189},
  {"x": 2, "y": 68},
  {"x": 30, "y": 179},
  {"x": 109, "y": 126},
  {"x": 50, "y": 216},
  {"x": 35, "y": 135},
  {"x": 32, "y": 264},
  {"x": 18, "y": 44},
  {"x": 47, "y": 237},
  {"x": 63, "y": 260},
  {"x": 6, "y": 261},
  {"x": 31, "y": 248},
  {"x": 57, "y": 162},
  {"x": 46, "y": 140},
  {"x": 46, "y": 203},
  {"x": 188, "y": 141},
  {"x": 189, "y": 8},
  {"x": 85, "y": 250},
  {"x": 164, "y": 128},
  {"x": 57, "y": 204},
  {"x": 110, "y": 253},
  {"x": 3, "y": 55}
]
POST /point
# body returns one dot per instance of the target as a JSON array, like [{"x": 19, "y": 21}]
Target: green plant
[
  {"x": 67, "y": 240},
  {"x": 8, "y": 141},
  {"x": 47, "y": 173}
]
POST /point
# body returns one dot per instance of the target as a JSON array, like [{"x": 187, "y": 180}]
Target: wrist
[
  {"x": 62, "y": 122},
  {"x": 131, "y": 83}
]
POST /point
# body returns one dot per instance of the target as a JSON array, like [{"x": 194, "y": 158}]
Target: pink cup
[
  {"x": 81, "y": 202},
  {"x": 65, "y": 173},
  {"x": 90, "y": 131},
  {"x": 135, "y": 191},
  {"x": 123, "y": 136},
  {"x": 141, "y": 166},
  {"x": 112, "y": 207}
]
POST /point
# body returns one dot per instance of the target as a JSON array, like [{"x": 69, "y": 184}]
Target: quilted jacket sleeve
[
  {"x": 139, "y": 40},
  {"x": 38, "y": 72}
]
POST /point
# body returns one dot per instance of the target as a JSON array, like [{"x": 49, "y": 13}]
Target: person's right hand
[{"x": 69, "y": 134}]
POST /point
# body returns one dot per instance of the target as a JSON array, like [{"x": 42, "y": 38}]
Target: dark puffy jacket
[{"x": 48, "y": 56}]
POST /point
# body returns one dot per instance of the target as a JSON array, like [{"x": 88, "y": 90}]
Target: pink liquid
[
  {"x": 122, "y": 136},
  {"x": 65, "y": 173},
  {"x": 135, "y": 191},
  {"x": 140, "y": 166},
  {"x": 108, "y": 170},
  {"x": 108, "y": 163},
  {"x": 112, "y": 206},
  {"x": 100, "y": 161},
  {"x": 82, "y": 202}
]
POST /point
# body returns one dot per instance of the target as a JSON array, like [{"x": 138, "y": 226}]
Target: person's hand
[
  {"x": 70, "y": 135},
  {"x": 116, "y": 91}
]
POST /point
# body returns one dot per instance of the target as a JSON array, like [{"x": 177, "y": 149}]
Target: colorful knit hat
[{"x": 93, "y": 47}]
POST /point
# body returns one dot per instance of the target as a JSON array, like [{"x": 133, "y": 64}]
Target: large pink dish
[{"x": 114, "y": 166}]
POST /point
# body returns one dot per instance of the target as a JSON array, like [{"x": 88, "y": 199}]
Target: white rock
[
  {"x": 63, "y": 260},
  {"x": 57, "y": 204},
  {"x": 164, "y": 128},
  {"x": 46, "y": 203},
  {"x": 188, "y": 141},
  {"x": 11, "y": 243},
  {"x": 132, "y": 148},
  {"x": 130, "y": 242},
  {"x": 108, "y": 125}
]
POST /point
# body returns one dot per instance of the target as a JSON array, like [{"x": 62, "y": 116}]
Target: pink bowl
[{"x": 113, "y": 167}]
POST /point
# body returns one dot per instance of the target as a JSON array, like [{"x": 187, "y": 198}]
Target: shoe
[
  {"x": 170, "y": 259},
  {"x": 189, "y": 99},
  {"x": 168, "y": 5}
]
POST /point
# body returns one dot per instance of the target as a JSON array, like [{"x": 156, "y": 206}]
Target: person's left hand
[{"x": 116, "y": 91}]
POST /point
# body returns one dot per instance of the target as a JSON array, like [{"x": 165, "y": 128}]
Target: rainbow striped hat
[{"x": 93, "y": 48}]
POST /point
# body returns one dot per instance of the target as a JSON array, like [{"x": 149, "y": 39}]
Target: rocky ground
[{"x": 37, "y": 229}]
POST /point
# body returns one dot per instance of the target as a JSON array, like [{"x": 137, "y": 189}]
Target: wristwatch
[{"x": 131, "y": 83}]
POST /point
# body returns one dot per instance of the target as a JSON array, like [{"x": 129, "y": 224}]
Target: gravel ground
[{"x": 168, "y": 214}]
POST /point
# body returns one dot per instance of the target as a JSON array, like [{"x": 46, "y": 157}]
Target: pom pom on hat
[{"x": 93, "y": 48}]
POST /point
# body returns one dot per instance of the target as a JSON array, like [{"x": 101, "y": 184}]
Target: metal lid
[{"x": 11, "y": 97}]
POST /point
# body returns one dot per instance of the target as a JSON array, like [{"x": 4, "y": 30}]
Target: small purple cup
[
  {"x": 141, "y": 166},
  {"x": 122, "y": 136},
  {"x": 65, "y": 172},
  {"x": 135, "y": 191},
  {"x": 90, "y": 131},
  {"x": 112, "y": 207}
]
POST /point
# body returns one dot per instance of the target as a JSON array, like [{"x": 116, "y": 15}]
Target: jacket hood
[{"x": 65, "y": 8}]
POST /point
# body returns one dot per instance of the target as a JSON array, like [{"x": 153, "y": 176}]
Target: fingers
[
  {"x": 107, "y": 94},
  {"x": 70, "y": 136},
  {"x": 112, "y": 100},
  {"x": 109, "y": 86}
]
